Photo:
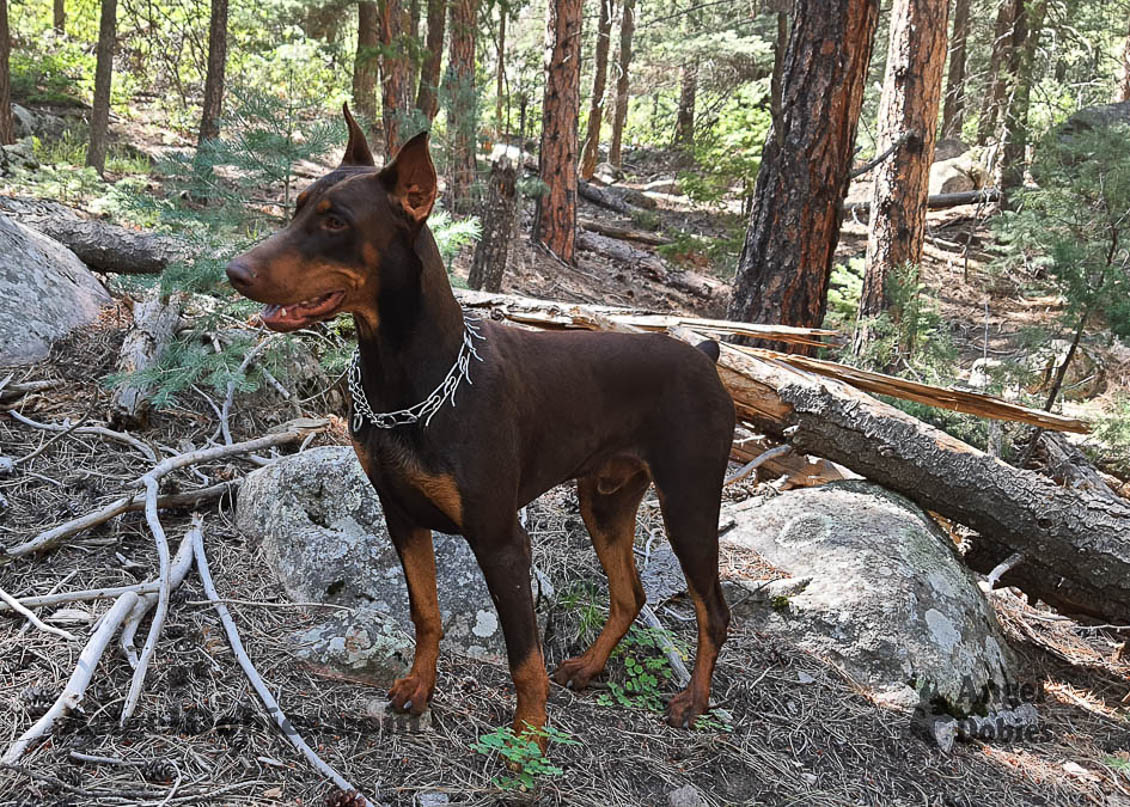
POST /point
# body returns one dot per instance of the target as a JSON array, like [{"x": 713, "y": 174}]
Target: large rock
[
  {"x": 875, "y": 587},
  {"x": 1096, "y": 117},
  {"x": 45, "y": 293},
  {"x": 960, "y": 173},
  {"x": 324, "y": 536},
  {"x": 947, "y": 148}
]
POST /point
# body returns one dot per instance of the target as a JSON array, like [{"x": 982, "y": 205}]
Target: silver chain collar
[{"x": 424, "y": 411}]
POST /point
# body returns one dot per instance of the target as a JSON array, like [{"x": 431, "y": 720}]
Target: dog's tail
[{"x": 710, "y": 348}]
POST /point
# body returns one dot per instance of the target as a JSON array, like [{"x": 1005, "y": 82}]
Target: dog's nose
[{"x": 240, "y": 274}]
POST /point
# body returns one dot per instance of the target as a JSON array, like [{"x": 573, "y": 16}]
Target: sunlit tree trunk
[
  {"x": 688, "y": 91},
  {"x": 103, "y": 76},
  {"x": 365, "y": 63},
  {"x": 1124, "y": 85},
  {"x": 627, "y": 29},
  {"x": 500, "y": 70},
  {"x": 953, "y": 115},
  {"x": 1028, "y": 19},
  {"x": 783, "y": 270},
  {"x": 589, "y": 157},
  {"x": 60, "y": 16},
  {"x": 427, "y": 98},
  {"x": 995, "y": 87},
  {"x": 7, "y": 129},
  {"x": 908, "y": 116},
  {"x": 555, "y": 221},
  {"x": 461, "y": 122},
  {"x": 413, "y": 47},
  {"x": 396, "y": 72},
  {"x": 217, "y": 63}
]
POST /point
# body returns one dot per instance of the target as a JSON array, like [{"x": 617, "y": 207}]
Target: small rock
[
  {"x": 7, "y": 466},
  {"x": 432, "y": 798},
  {"x": 382, "y": 715},
  {"x": 804, "y": 678},
  {"x": 685, "y": 796}
]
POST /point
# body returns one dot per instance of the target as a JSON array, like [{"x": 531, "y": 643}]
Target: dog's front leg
[
  {"x": 413, "y": 544},
  {"x": 504, "y": 557}
]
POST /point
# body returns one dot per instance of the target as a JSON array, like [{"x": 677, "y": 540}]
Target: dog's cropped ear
[
  {"x": 411, "y": 178},
  {"x": 357, "y": 150}
]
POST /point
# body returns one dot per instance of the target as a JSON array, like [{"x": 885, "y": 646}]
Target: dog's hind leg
[
  {"x": 611, "y": 521},
  {"x": 690, "y": 498}
]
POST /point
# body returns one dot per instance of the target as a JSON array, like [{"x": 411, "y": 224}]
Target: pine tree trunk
[
  {"x": 427, "y": 97},
  {"x": 908, "y": 115},
  {"x": 684, "y": 119},
  {"x": 627, "y": 28},
  {"x": 590, "y": 154},
  {"x": 1028, "y": 16},
  {"x": 60, "y": 16},
  {"x": 461, "y": 121},
  {"x": 995, "y": 87},
  {"x": 555, "y": 222},
  {"x": 500, "y": 72},
  {"x": 365, "y": 63},
  {"x": 217, "y": 62},
  {"x": 7, "y": 128},
  {"x": 783, "y": 269},
  {"x": 499, "y": 216},
  {"x": 413, "y": 48},
  {"x": 953, "y": 116},
  {"x": 396, "y": 69},
  {"x": 1123, "y": 93},
  {"x": 103, "y": 75}
]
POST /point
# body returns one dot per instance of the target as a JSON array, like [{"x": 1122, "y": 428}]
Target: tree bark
[
  {"x": 107, "y": 247},
  {"x": 995, "y": 87},
  {"x": 783, "y": 269},
  {"x": 365, "y": 62},
  {"x": 590, "y": 154},
  {"x": 396, "y": 69},
  {"x": 427, "y": 97},
  {"x": 908, "y": 115},
  {"x": 60, "y": 16},
  {"x": 103, "y": 76},
  {"x": 1028, "y": 19},
  {"x": 627, "y": 29},
  {"x": 555, "y": 220},
  {"x": 953, "y": 114},
  {"x": 684, "y": 117},
  {"x": 461, "y": 117},
  {"x": 1123, "y": 93},
  {"x": 217, "y": 63},
  {"x": 499, "y": 216},
  {"x": 7, "y": 128},
  {"x": 500, "y": 73},
  {"x": 413, "y": 48},
  {"x": 154, "y": 321},
  {"x": 1073, "y": 542}
]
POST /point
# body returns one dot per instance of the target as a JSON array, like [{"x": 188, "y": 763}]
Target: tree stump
[{"x": 498, "y": 218}]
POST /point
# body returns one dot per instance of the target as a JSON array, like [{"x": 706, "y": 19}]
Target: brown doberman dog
[{"x": 614, "y": 411}]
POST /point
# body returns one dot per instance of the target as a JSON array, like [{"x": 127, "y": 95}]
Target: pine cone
[
  {"x": 37, "y": 700},
  {"x": 159, "y": 771},
  {"x": 341, "y": 798}
]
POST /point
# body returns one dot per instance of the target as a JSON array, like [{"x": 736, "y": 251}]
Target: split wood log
[
  {"x": 940, "y": 201},
  {"x": 154, "y": 322},
  {"x": 623, "y": 233},
  {"x": 1073, "y": 542},
  {"x": 799, "y": 470},
  {"x": 107, "y": 247}
]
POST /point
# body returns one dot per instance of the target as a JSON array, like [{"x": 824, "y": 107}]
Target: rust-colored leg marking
[
  {"x": 414, "y": 545},
  {"x": 611, "y": 521},
  {"x": 684, "y": 708},
  {"x": 532, "y": 686}
]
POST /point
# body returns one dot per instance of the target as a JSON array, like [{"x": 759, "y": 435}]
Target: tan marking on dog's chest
[{"x": 439, "y": 489}]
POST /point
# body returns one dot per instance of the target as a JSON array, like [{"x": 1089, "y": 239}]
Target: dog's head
[{"x": 349, "y": 229}]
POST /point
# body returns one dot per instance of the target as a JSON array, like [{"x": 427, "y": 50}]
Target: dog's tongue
[{"x": 276, "y": 316}]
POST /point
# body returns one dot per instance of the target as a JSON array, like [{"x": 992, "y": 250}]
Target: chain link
[{"x": 424, "y": 411}]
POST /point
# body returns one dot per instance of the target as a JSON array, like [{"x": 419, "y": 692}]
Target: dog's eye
[{"x": 332, "y": 222}]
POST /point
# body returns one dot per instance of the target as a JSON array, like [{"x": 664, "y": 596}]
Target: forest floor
[{"x": 795, "y": 731}]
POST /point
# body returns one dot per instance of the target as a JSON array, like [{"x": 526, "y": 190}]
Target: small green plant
[
  {"x": 646, "y": 668},
  {"x": 713, "y": 723},
  {"x": 522, "y": 754}
]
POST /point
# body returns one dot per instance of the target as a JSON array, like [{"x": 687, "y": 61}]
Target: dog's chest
[{"x": 432, "y": 499}]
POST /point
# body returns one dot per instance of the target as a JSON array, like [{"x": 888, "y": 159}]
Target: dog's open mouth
[{"x": 299, "y": 315}]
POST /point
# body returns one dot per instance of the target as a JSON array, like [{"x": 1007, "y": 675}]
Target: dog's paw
[
  {"x": 575, "y": 673},
  {"x": 684, "y": 708},
  {"x": 411, "y": 694}
]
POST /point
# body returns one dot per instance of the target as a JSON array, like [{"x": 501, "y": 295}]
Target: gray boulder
[
  {"x": 324, "y": 536},
  {"x": 45, "y": 293},
  {"x": 947, "y": 148},
  {"x": 876, "y": 588},
  {"x": 961, "y": 173}
]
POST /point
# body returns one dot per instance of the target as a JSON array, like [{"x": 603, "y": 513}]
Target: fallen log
[
  {"x": 1066, "y": 464},
  {"x": 1073, "y": 547},
  {"x": 613, "y": 198},
  {"x": 107, "y": 247},
  {"x": 154, "y": 323},
  {"x": 940, "y": 201},
  {"x": 623, "y": 233}
]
